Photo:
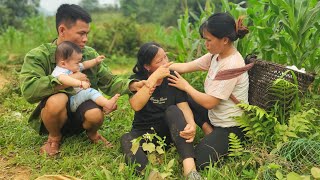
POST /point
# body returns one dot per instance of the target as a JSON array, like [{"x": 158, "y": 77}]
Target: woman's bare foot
[{"x": 207, "y": 128}]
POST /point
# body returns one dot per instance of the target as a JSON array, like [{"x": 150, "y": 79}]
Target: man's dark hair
[
  {"x": 68, "y": 14},
  {"x": 65, "y": 50}
]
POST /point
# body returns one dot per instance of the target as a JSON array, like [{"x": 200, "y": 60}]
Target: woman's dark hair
[
  {"x": 223, "y": 25},
  {"x": 144, "y": 57},
  {"x": 68, "y": 14},
  {"x": 65, "y": 50}
]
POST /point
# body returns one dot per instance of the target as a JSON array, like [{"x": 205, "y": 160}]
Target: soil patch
[
  {"x": 9, "y": 171},
  {"x": 3, "y": 80}
]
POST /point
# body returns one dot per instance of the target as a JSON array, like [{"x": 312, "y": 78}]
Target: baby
[{"x": 68, "y": 59}]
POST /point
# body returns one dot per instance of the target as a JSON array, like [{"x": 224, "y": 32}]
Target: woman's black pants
[
  {"x": 214, "y": 145},
  {"x": 173, "y": 123}
]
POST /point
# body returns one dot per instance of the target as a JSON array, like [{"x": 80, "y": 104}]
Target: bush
[{"x": 117, "y": 36}]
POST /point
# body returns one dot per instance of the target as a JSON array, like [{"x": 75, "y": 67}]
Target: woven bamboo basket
[{"x": 263, "y": 74}]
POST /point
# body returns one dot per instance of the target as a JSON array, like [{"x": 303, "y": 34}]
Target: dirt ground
[
  {"x": 3, "y": 80},
  {"x": 9, "y": 171}
]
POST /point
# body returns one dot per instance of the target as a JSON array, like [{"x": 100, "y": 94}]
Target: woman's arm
[
  {"x": 200, "y": 64},
  {"x": 185, "y": 67},
  {"x": 189, "y": 131},
  {"x": 201, "y": 98},
  {"x": 188, "y": 115},
  {"x": 139, "y": 100}
]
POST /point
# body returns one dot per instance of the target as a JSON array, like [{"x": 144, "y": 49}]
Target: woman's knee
[
  {"x": 125, "y": 141},
  {"x": 172, "y": 112}
]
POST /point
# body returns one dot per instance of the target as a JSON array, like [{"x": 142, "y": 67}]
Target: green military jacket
[{"x": 37, "y": 82}]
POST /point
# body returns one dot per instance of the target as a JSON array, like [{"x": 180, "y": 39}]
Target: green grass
[
  {"x": 20, "y": 144},
  {"x": 79, "y": 157}
]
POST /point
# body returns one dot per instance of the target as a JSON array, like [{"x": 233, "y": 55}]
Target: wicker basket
[{"x": 262, "y": 75}]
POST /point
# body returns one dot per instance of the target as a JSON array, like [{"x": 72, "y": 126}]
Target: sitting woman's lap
[
  {"x": 173, "y": 123},
  {"x": 214, "y": 145}
]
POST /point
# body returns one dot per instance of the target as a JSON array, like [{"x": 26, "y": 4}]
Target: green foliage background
[{"x": 282, "y": 31}]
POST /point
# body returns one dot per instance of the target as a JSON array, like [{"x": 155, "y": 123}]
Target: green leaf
[
  {"x": 159, "y": 150},
  {"x": 279, "y": 175},
  {"x": 274, "y": 166},
  {"x": 152, "y": 158},
  {"x": 150, "y": 147},
  {"x": 164, "y": 175},
  {"x": 291, "y": 134},
  {"x": 135, "y": 146},
  {"x": 170, "y": 164},
  {"x": 293, "y": 176},
  {"x": 315, "y": 172},
  {"x": 310, "y": 18}
]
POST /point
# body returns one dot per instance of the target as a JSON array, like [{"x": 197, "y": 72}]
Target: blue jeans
[{"x": 82, "y": 96}]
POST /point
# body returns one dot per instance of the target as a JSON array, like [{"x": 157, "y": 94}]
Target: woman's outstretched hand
[
  {"x": 162, "y": 72},
  {"x": 188, "y": 133},
  {"x": 178, "y": 81}
]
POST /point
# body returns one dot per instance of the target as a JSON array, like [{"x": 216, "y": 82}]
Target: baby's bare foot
[{"x": 111, "y": 105}]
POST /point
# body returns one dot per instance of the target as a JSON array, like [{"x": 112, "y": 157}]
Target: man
[{"x": 53, "y": 115}]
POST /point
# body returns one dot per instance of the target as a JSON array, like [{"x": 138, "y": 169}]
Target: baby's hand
[
  {"x": 99, "y": 59},
  {"x": 84, "y": 84}
]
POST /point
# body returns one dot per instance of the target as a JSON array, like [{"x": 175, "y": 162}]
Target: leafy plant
[
  {"x": 153, "y": 151},
  {"x": 235, "y": 146},
  {"x": 117, "y": 36},
  {"x": 284, "y": 96}
]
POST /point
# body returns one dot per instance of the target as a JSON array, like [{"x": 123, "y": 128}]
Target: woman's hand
[
  {"x": 188, "y": 133},
  {"x": 178, "y": 81},
  {"x": 162, "y": 72}
]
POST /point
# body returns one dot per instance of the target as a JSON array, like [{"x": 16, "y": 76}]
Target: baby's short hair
[{"x": 65, "y": 50}]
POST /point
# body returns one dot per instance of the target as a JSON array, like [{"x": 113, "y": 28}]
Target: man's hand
[
  {"x": 84, "y": 84},
  {"x": 137, "y": 85},
  {"x": 80, "y": 76},
  {"x": 188, "y": 133}
]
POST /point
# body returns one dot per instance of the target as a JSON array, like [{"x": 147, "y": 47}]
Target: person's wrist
[
  {"x": 187, "y": 88},
  {"x": 194, "y": 125},
  {"x": 151, "y": 81}
]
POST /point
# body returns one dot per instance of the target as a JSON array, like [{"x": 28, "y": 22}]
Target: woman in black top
[{"x": 165, "y": 110}]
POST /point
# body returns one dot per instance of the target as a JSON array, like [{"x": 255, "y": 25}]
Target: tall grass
[
  {"x": 16, "y": 43},
  {"x": 281, "y": 31}
]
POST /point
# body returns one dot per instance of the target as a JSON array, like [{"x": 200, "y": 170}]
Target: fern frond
[{"x": 235, "y": 146}]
